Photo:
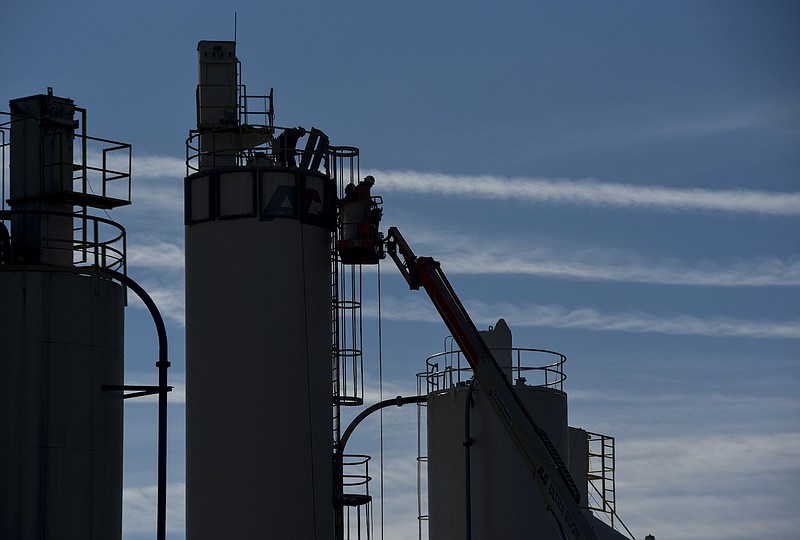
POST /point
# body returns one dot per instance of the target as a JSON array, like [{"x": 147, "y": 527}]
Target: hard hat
[{"x": 369, "y": 179}]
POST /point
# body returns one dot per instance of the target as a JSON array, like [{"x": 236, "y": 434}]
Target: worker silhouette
[
  {"x": 358, "y": 217},
  {"x": 350, "y": 192},
  {"x": 361, "y": 191},
  {"x": 285, "y": 146}
]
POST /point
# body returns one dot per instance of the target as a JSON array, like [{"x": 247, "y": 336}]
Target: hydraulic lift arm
[{"x": 546, "y": 466}]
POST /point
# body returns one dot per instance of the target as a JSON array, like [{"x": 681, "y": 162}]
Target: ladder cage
[
  {"x": 356, "y": 498},
  {"x": 346, "y": 319},
  {"x": 422, "y": 461},
  {"x": 347, "y": 302}
]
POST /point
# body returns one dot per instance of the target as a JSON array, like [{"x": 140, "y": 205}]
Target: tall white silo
[
  {"x": 502, "y": 501},
  {"x": 61, "y": 336},
  {"x": 258, "y": 322}
]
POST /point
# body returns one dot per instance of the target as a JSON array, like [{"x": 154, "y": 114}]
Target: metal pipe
[
  {"x": 338, "y": 454},
  {"x": 162, "y": 364},
  {"x": 467, "y": 461},
  {"x": 162, "y": 389}
]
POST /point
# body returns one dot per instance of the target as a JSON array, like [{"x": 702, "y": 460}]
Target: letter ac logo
[
  {"x": 282, "y": 203},
  {"x": 313, "y": 202}
]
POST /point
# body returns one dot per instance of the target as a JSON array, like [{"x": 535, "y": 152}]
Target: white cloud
[
  {"x": 168, "y": 299},
  {"x": 164, "y": 253},
  {"x": 534, "y": 189},
  {"x": 591, "y": 192},
  {"x": 158, "y": 196},
  {"x": 139, "y": 510},
  {"x": 390, "y": 390},
  {"x": 475, "y": 255},
  {"x": 708, "y": 476},
  {"x": 555, "y": 316},
  {"x": 157, "y": 188},
  {"x": 158, "y": 167},
  {"x": 775, "y": 114},
  {"x": 722, "y": 484},
  {"x": 156, "y": 254}
]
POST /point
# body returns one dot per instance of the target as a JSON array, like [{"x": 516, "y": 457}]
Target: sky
[{"x": 619, "y": 180}]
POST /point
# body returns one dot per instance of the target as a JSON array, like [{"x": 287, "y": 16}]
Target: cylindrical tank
[
  {"x": 258, "y": 354},
  {"x": 61, "y": 341},
  {"x": 505, "y": 501},
  {"x": 61, "y": 337}
]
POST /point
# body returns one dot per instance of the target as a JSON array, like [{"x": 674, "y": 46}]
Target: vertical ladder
[
  {"x": 335, "y": 360},
  {"x": 601, "y": 457},
  {"x": 354, "y": 517}
]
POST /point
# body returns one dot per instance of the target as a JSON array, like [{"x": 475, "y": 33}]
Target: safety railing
[
  {"x": 94, "y": 242},
  {"x": 105, "y": 161},
  {"x": 249, "y": 109},
  {"x": 249, "y": 145},
  {"x": 601, "y": 480},
  {"x": 96, "y": 173},
  {"x": 236, "y": 129},
  {"x": 450, "y": 368},
  {"x": 107, "y": 164},
  {"x": 356, "y": 500},
  {"x": 256, "y": 109},
  {"x": 204, "y": 150},
  {"x": 349, "y": 351}
]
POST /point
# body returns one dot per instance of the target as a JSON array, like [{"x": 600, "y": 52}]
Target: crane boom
[{"x": 541, "y": 457}]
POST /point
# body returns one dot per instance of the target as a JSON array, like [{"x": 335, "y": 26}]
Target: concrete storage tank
[
  {"x": 61, "y": 332},
  {"x": 259, "y": 216},
  {"x": 494, "y": 495}
]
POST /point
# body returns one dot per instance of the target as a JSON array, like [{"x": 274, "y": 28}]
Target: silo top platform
[{"x": 75, "y": 198}]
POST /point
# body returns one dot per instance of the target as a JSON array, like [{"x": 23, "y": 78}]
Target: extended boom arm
[{"x": 546, "y": 466}]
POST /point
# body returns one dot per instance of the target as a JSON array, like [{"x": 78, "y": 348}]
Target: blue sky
[{"x": 619, "y": 180}]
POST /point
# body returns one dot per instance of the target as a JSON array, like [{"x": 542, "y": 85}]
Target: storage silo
[
  {"x": 476, "y": 477},
  {"x": 61, "y": 331},
  {"x": 259, "y": 218}
]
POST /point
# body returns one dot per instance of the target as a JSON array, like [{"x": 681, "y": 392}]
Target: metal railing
[
  {"x": 250, "y": 121},
  {"x": 96, "y": 241},
  {"x": 601, "y": 458},
  {"x": 256, "y": 109},
  {"x": 115, "y": 159},
  {"x": 97, "y": 167},
  {"x": 449, "y": 368},
  {"x": 356, "y": 500},
  {"x": 251, "y": 144}
]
